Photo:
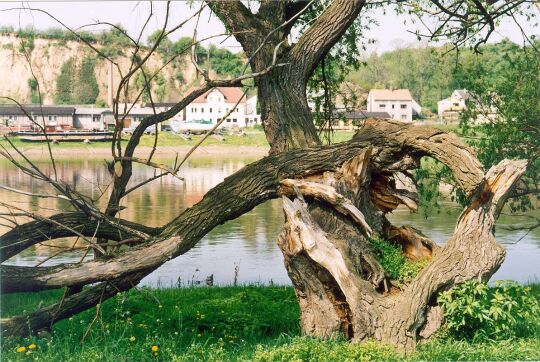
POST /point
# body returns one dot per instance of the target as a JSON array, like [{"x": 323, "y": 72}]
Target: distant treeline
[{"x": 432, "y": 73}]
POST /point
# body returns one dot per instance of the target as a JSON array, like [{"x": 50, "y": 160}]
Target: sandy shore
[{"x": 39, "y": 151}]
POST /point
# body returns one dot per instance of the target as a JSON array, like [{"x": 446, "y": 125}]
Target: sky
[{"x": 392, "y": 31}]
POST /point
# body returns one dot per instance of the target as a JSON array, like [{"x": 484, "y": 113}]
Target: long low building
[
  {"x": 15, "y": 118},
  {"x": 211, "y": 106}
]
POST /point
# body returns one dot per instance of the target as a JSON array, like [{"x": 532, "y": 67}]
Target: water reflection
[{"x": 246, "y": 244}]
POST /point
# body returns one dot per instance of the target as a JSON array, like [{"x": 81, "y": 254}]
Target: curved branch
[
  {"x": 34, "y": 232},
  {"x": 259, "y": 182}
]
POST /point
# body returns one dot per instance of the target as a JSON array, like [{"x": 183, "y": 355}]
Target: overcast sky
[{"x": 390, "y": 33}]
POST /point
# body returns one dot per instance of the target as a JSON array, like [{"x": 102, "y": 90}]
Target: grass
[
  {"x": 218, "y": 324},
  {"x": 252, "y": 138}
]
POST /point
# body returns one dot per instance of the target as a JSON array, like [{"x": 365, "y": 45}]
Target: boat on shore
[{"x": 65, "y": 136}]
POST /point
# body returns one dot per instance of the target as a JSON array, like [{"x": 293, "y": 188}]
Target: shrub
[
  {"x": 393, "y": 261},
  {"x": 474, "y": 310}
]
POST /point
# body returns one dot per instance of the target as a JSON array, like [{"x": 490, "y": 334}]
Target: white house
[
  {"x": 217, "y": 102},
  {"x": 398, "y": 103},
  {"x": 453, "y": 105}
]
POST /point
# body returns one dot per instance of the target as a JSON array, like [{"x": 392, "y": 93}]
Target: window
[
  {"x": 234, "y": 120},
  {"x": 210, "y": 110},
  {"x": 456, "y": 104},
  {"x": 403, "y": 116},
  {"x": 382, "y": 105},
  {"x": 403, "y": 106},
  {"x": 237, "y": 109},
  {"x": 96, "y": 118},
  {"x": 393, "y": 106},
  {"x": 219, "y": 110},
  {"x": 247, "y": 120},
  {"x": 228, "y": 120},
  {"x": 194, "y": 110},
  {"x": 227, "y": 110},
  {"x": 202, "y": 110}
]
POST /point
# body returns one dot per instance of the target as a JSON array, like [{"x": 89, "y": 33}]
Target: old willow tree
[{"x": 335, "y": 197}]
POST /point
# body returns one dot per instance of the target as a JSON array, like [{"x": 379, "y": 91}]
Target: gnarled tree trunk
[{"x": 333, "y": 217}]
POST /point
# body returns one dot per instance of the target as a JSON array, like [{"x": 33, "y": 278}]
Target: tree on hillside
[
  {"x": 335, "y": 197},
  {"x": 77, "y": 83},
  {"x": 64, "y": 83}
]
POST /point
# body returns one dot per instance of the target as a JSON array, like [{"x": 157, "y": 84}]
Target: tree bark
[{"x": 339, "y": 258}]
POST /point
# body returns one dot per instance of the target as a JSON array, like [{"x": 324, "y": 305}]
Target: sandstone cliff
[{"x": 47, "y": 57}]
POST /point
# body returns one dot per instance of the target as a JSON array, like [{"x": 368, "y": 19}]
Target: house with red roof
[{"x": 216, "y": 104}]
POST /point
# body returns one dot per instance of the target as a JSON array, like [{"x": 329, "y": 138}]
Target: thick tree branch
[
  {"x": 31, "y": 233},
  {"x": 259, "y": 182},
  {"x": 323, "y": 34}
]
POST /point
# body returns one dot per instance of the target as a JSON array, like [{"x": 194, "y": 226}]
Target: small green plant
[
  {"x": 475, "y": 311},
  {"x": 389, "y": 255},
  {"x": 396, "y": 265}
]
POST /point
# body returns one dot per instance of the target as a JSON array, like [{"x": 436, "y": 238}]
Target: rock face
[{"x": 47, "y": 57}]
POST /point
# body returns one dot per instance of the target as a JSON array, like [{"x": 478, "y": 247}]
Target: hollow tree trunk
[{"x": 326, "y": 243}]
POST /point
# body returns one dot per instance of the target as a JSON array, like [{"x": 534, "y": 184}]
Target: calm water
[{"x": 244, "y": 248}]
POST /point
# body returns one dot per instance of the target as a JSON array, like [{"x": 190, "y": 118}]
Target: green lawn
[
  {"x": 252, "y": 138},
  {"x": 219, "y": 324}
]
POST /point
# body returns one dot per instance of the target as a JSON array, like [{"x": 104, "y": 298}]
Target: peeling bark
[{"x": 398, "y": 318}]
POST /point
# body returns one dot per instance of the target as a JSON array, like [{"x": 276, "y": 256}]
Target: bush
[
  {"x": 475, "y": 311},
  {"x": 396, "y": 265}
]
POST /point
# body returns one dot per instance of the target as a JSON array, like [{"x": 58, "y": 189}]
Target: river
[{"x": 242, "y": 250}]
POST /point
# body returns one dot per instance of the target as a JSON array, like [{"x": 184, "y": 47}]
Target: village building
[
  {"x": 451, "y": 107},
  {"x": 217, "y": 102},
  {"x": 398, "y": 103},
  {"x": 89, "y": 118},
  {"x": 135, "y": 114},
  {"x": 15, "y": 119}
]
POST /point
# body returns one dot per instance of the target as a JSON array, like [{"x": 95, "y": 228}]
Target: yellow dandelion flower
[
  {"x": 155, "y": 348},
  {"x": 132, "y": 338},
  {"x": 32, "y": 346},
  {"x": 21, "y": 349}
]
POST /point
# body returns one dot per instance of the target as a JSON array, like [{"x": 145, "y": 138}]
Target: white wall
[
  {"x": 394, "y": 108},
  {"x": 215, "y": 108}
]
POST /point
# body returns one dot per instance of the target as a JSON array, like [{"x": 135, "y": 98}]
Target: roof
[
  {"x": 36, "y": 110},
  {"x": 231, "y": 94},
  {"x": 90, "y": 110},
  {"x": 391, "y": 94},
  {"x": 361, "y": 114},
  {"x": 161, "y": 104},
  {"x": 463, "y": 93}
]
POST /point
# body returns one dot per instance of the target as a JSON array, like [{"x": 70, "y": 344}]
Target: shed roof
[
  {"x": 362, "y": 114},
  {"x": 36, "y": 110}
]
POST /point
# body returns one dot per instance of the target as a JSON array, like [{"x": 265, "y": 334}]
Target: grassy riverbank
[
  {"x": 253, "y": 142},
  {"x": 218, "y": 324}
]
